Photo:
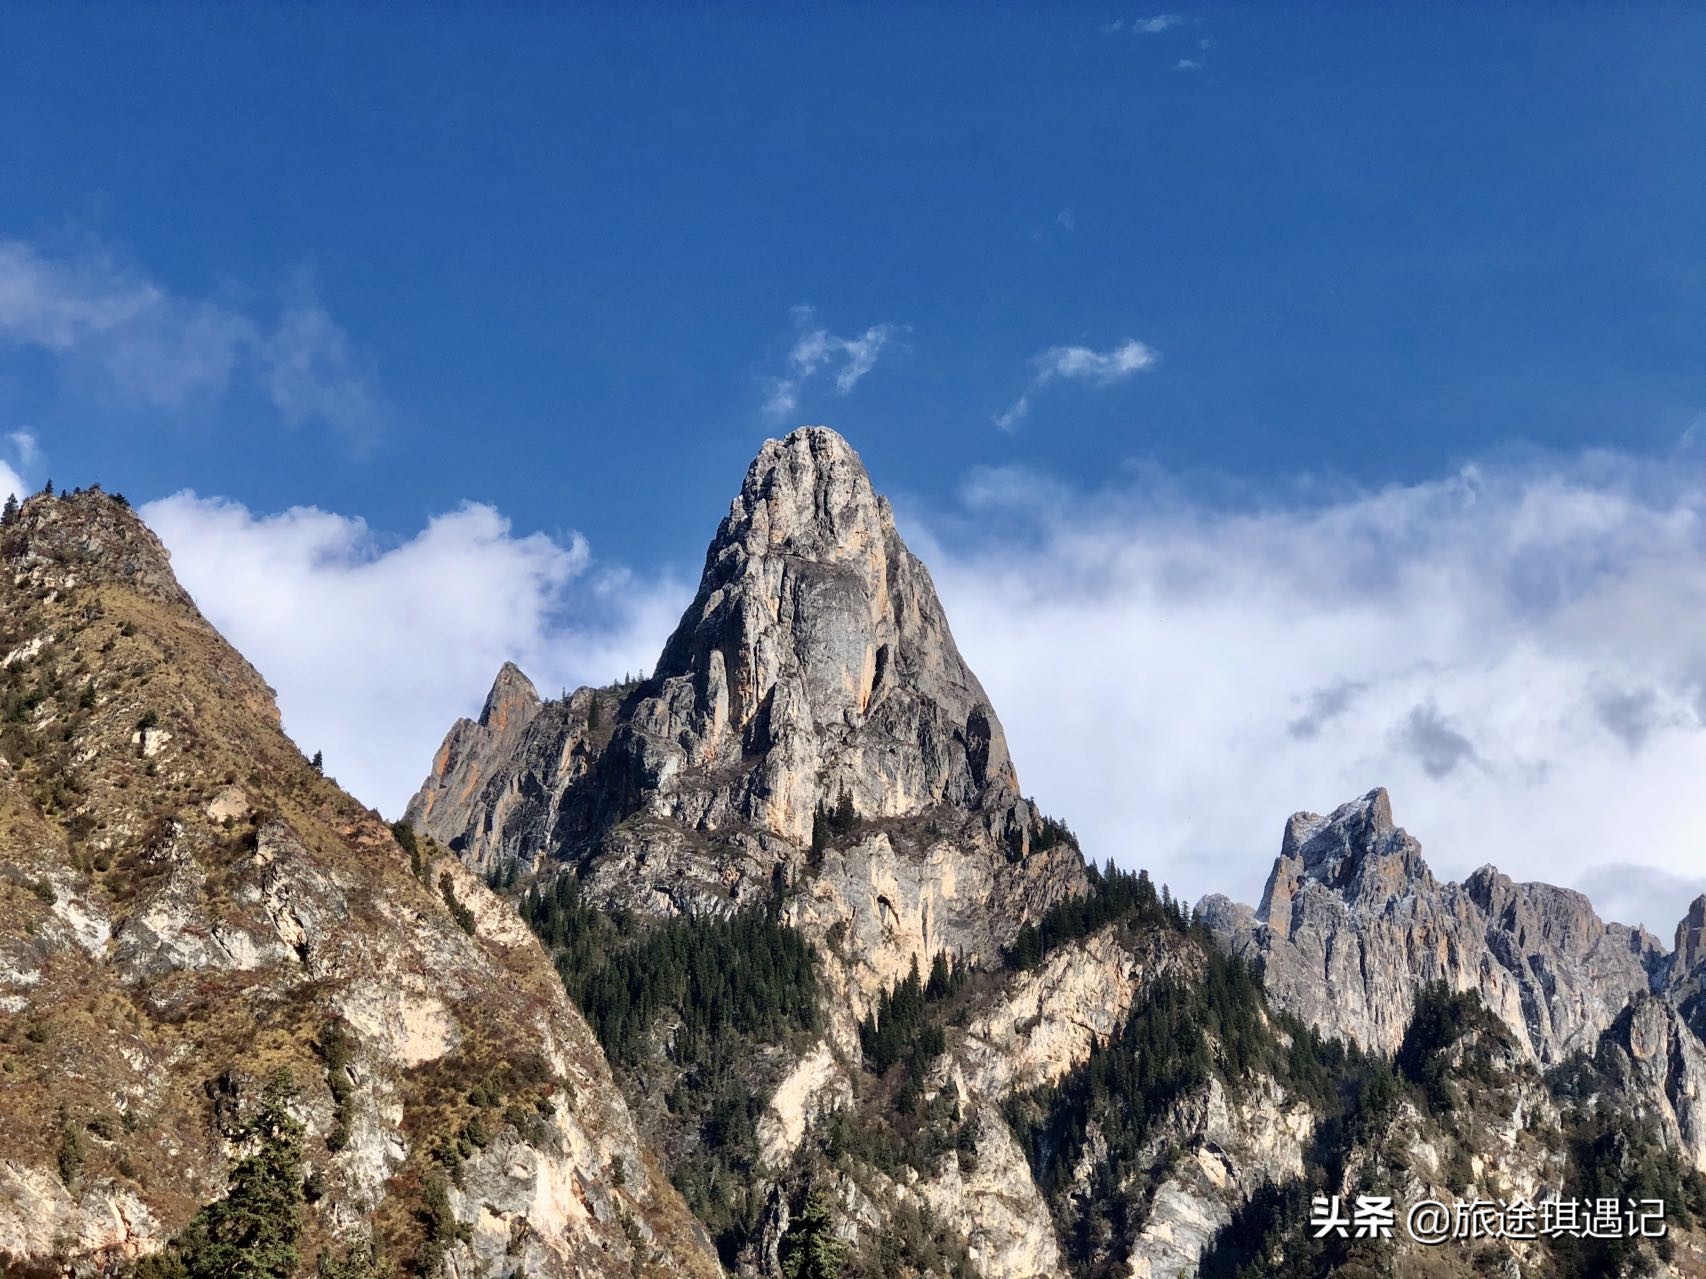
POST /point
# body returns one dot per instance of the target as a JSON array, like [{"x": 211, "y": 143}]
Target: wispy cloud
[
  {"x": 1154, "y": 26},
  {"x": 26, "y": 448},
  {"x": 817, "y": 350},
  {"x": 114, "y": 327},
  {"x": 310, "y": 370},
  {"x": 1187, "y": 64},
  {"x": 1079, "y": 364}
]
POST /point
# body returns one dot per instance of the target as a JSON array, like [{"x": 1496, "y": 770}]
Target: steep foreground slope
[
  {"x": 234, "y": 1011},
  {"x": 878, "y": 1017}
]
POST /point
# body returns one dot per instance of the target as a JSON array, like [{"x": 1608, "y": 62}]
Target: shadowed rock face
[
  {"x": 1662, "y": 1070},
  {"x": 1352, "y": 923},
  {"x": 814, "y": 662},
  {"x": 1691, "y": 938}
]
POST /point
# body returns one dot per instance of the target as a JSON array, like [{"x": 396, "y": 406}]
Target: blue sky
[
  {"x": 573, "y": 268},
  {"x": 1368, "y": 241}
]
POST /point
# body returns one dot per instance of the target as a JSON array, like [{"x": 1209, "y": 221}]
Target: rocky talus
[{"x": 193, "y": 919}]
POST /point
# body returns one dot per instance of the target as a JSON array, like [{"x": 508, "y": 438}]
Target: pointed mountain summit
[
  {"x": 814, "y": 662},
  {"x": 451, "y": 791},
  {"x": 810, "y": 722}
]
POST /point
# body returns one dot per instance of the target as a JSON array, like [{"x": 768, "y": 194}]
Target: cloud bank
[
  {"x": 377, "y": 646},
  {"x": 1515, "y": 651},
  {"x": 108, "y": 324}
]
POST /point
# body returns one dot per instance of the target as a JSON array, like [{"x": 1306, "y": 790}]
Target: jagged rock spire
[
  {"x": 815, "y": 660},
  {"x": 1353, "y": 923},
  {"x": 1691, "y": 937},
  {"x": 449, "y": 798}
]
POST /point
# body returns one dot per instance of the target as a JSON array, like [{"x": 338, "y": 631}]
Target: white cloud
[
  {"x": 1067, "y": 220},
  {"x": 25, "y": 446},
  {"x": 1154, "y": 26},
  {"x": 1079, "y": 364},
  {"x": 1187, "y": 64},
  {"x": 816, "y": 349},
  {"x": 11, "y": 484},
  {"x": 1515, "y": 651},
  {"x": 376, "y": 647},
  {"x": 112, "y": 326}
]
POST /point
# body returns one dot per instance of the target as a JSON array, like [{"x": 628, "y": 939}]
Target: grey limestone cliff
[{"x": 1352, "y": 923}]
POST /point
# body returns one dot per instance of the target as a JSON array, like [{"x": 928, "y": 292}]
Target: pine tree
[
  {"x": 844, "y": 818},
  {"x": 9, "y": 515},
  {"x": 941, "y": 977},
  {"x": 252, "y": 1232},
  {"x": 811, "y": 1249},
  {"x": 318, "y": 763},
  {"x": 820, "y": 837}
]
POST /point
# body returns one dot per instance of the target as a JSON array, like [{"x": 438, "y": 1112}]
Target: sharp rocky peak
[
  {"x": 810, "y": 722},
  {"x": 1352, "y": 924},
  {"x": 513, "y": 700},
  {"x": 815, "y": 661},
  {"x": 1358, "y": 852}
]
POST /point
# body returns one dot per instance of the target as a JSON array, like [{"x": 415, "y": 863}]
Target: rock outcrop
[
  {"x": 190, "y": 915},
  {"x": 1352, "y": 924},
  {"x": 814, "y": 670},
  {"x": 1660, "y": 1064}
]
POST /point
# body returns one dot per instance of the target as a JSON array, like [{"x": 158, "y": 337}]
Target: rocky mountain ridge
[
  {"x": 1352, "y": 922},
  {"x": 812, "y": 744},
  {"x": 1352, "y": 926}
]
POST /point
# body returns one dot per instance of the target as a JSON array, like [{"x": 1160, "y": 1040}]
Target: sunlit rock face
[{"x": 814, "y": 661}]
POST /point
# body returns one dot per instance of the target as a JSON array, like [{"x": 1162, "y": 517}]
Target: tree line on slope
[
  {"x": 691, "y": 1004},
  {"x": 1113, "y": 896}
]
